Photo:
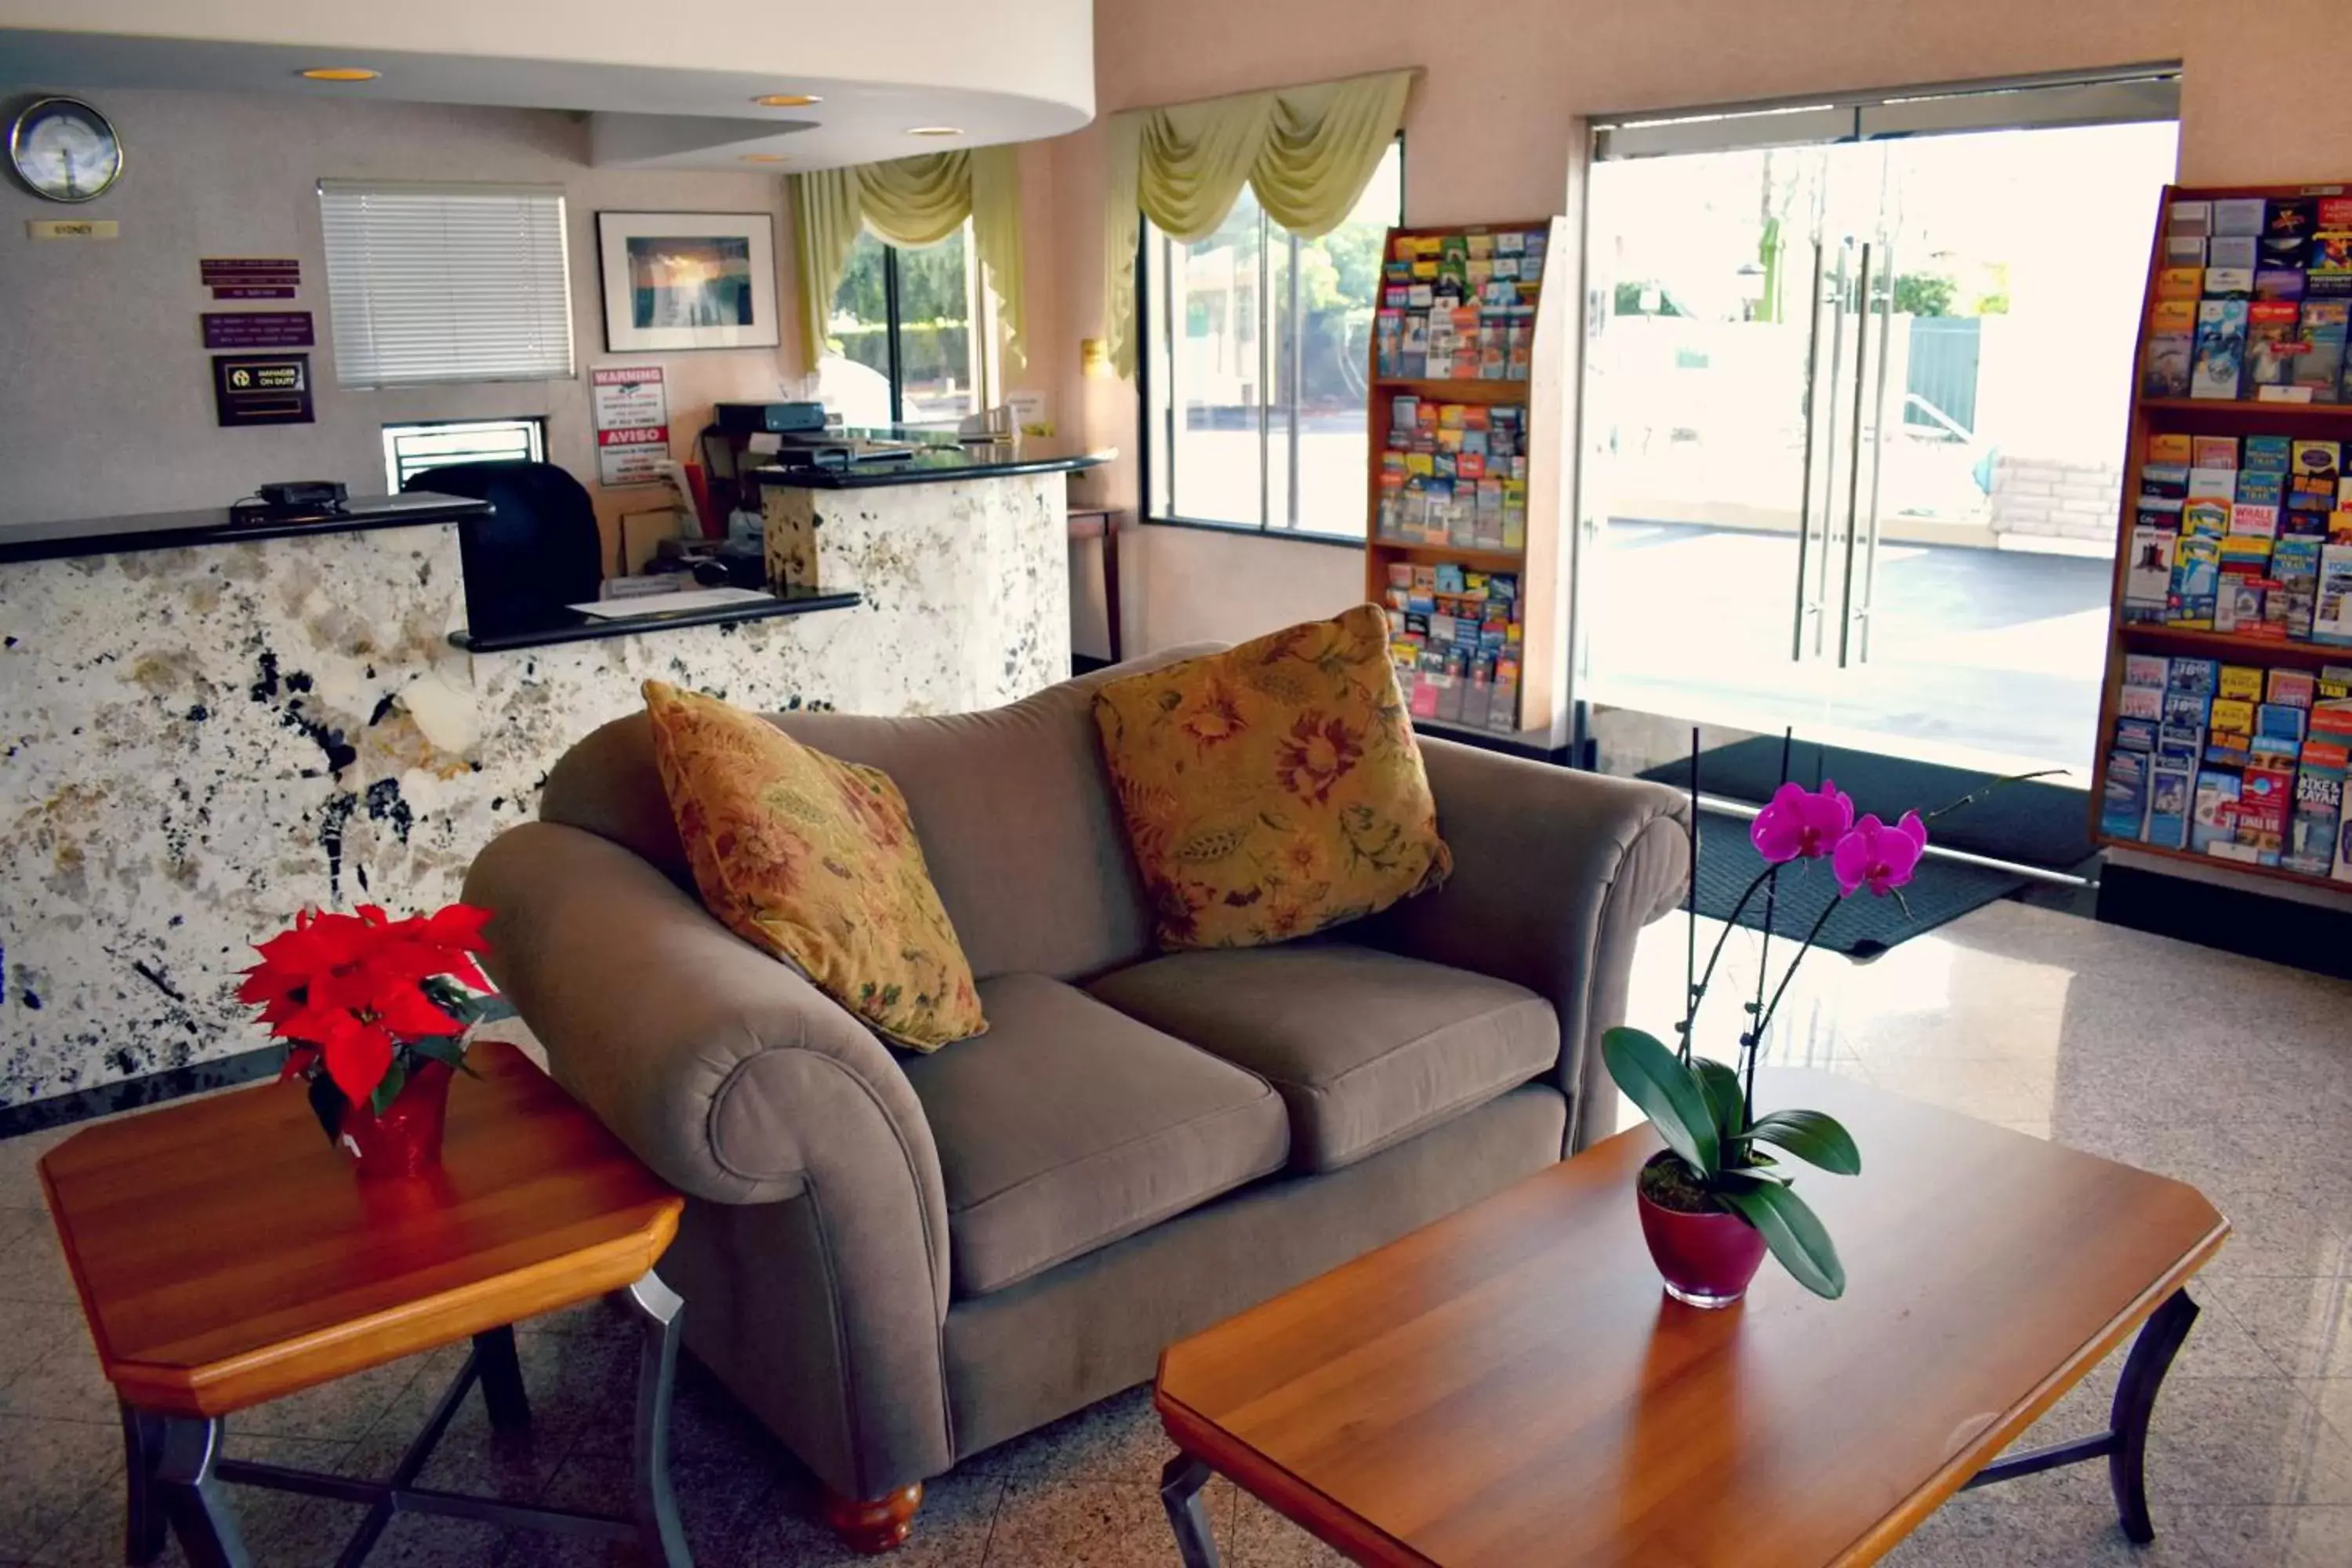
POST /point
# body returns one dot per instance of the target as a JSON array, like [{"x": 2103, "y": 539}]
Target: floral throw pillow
[
  {"x": 813, "y": 860},
  {"x": 1274, "y": 789}
]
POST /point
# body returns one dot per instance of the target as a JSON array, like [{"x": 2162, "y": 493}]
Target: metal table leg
[
  {"x": 2124, "y": 1444},
  {"x": 659, "y": 1533},
  {"x": 2143, "y": 1369},
  {"x": 501, "y": 1373},
  {"x": 1181, "y": 1481},
  {"x": 191, "y": 1494},
  {"x": 177, "y": 1476},
  {"x": 145, "y": 1527}
]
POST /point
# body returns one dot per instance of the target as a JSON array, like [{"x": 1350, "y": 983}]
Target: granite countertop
[
  {"x": 578, "y": 627},
  {"x": 937, "y": 465},
  {"x": 174, "y": 529}
]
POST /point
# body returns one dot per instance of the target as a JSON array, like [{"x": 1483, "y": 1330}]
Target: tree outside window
[
  {"x": 901, "y": 349},
  {"x": 1257, "y": 346}
]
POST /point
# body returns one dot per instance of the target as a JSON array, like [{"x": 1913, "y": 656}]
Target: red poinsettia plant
[{"x": 362, "y": 1000}]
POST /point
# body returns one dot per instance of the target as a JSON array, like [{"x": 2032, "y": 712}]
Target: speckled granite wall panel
[{"x": 196, "y": 742}]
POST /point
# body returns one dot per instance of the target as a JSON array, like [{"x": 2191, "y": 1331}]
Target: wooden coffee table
[
  {"x": 1510, "y": 1385},
  {"x": 227, "y": 1255}
]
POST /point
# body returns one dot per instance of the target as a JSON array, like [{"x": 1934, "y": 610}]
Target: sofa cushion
[
  {"x": 1367, "y": 1047},
  {"x": 1274, "y": 789},
  {"x": 1070, "y": 1125},
  {"x": 812, "y": 860},
  {"x": 1012, "y": 806}
]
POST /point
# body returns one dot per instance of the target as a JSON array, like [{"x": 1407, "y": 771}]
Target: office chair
[{"x": 537, "y": 551}]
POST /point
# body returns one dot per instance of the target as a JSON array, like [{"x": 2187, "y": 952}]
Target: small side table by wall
[
  {"x": 1095, "y": 522},
  {"x": 227, "y": 1255}
]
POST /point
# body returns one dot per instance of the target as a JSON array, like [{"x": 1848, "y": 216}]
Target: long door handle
[
  {"x": 1854, "y": 457},
  {"x": 1864, "y": 612},
  {"x": 1805, "y": 484}
]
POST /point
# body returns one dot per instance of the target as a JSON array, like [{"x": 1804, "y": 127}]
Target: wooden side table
[
  {"x": 1099, "y": 523},
  {"x": 227, "y": 1255}
]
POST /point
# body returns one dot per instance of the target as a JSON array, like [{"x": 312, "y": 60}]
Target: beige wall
[
  {"x": 1494, "y": 123},
  {"x": 105, "y": 392}
]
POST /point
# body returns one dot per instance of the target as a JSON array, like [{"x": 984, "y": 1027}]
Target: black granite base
[
  {"x": 2281, "y": 931},
  {"x": 130, "y": 1093}
]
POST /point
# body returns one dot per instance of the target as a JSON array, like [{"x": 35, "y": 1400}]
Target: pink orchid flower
[
  {"x": 1802, "y": 824},
  {"x": 1877, "y": 857}
]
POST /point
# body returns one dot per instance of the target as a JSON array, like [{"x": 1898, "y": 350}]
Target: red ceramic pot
[
  {"x": 405, "y": 1140},
  {"x": 1707, "y": 1259}
]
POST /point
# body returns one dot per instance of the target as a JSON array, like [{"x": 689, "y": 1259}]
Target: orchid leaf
[
  {"x": 1794, "y": 1233},
  {"x": 1816, "y": 1138},
  {"x": 1750, "y": 1174},
  {"x": 1720, "y": 1083},
  {"x": 1669, "y": 1094}
]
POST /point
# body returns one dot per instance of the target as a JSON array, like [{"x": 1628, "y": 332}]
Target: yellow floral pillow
[
  {"x": 813, "y": 860},
  {"x": 1274, "y": 789}
]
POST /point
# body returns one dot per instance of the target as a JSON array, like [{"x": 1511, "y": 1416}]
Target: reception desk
[{"x": 207, "y": 727}]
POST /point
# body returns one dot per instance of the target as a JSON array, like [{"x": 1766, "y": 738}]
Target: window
[
  {"x": 909, "y": 339},
  {"x": 1256, "y": 345},
  {"x": 410, "y": 450},
  {"x": 432, "y": 283}
]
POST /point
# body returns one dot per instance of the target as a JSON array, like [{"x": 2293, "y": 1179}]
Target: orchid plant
[{"x": 1718, "y": 1150}]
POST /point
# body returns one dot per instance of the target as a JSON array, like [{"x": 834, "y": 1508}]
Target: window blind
[{"x": 447, "y": 282}]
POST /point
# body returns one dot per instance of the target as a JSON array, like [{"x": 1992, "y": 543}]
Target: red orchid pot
[
  {"x": 1706, "y": 1259},
  {"x": 405, "y": 1140}
]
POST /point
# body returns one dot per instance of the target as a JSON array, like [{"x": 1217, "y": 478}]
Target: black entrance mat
[
  {"x": 2031, "y": 823},
  {"x": 1867, "y": 926}
]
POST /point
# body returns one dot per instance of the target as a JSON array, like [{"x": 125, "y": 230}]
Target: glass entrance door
[
  {"x": 1854, "y": 419},
  {"x": 1710, "y": 435}
]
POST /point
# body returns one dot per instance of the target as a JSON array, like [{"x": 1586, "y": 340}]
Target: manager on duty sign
[{"x": 631, "y": 405}]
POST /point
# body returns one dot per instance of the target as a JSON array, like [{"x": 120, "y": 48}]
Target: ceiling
[{"x": 660, "y": 96}]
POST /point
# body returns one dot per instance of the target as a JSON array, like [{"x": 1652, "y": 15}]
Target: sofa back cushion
[
  {"x": 813, "y": 860},
  {"x": 1012, "y": 806},
  {"x": 1275, "y": 789}
]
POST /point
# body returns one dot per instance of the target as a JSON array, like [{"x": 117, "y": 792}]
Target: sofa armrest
[
  {"x": 726, "y": 1071},
  {"x": 1555, "y": 874}
]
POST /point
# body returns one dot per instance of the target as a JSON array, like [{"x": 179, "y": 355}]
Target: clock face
[{"x": 65, "y": 149}]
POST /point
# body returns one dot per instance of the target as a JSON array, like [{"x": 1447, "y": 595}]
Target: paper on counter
[{"x": 673, "y": 604}]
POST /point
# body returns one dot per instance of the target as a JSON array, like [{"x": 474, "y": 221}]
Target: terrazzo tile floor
[{"x": 2232, "y": 1074}]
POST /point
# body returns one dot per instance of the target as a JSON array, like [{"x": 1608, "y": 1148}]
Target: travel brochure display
[
  {"x": 2252, "y": 300},
  {"x": 2239, "y": 762},
  {"x": 1457, "y": 640},
  {"x": 1464, "y": 394},
  {"x": 1458, "y": 307},
  {"x": 2250, "y": 535},
  {"x": 2227, "y": 727},
  {"x": 1455, "y": 473}
]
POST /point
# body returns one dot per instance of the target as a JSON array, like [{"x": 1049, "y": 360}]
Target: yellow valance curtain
[
  {"x": 1307, "y": 151},
  {"x": 909, "y": 201}
]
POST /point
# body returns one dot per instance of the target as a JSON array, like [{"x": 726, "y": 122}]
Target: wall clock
[{"x": 65, "y": 149}]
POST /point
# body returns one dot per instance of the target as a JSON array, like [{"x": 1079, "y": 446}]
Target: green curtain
[
  {"x": 1307, "y": 151},
  {"x": 909, "y": 201}
]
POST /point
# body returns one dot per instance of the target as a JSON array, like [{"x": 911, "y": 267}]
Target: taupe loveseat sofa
[{"x": 896, "y": 1262}]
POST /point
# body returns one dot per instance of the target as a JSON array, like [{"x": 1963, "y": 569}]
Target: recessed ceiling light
[
  {"x": 787, "y": 100},
  {"x": 934, "y": 129},
  {"x": 767, "y": 157},
  {"x": 341, "y": 73}
]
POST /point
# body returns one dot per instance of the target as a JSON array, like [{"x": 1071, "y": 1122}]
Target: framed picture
[{"x": 688, "y": 280}]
